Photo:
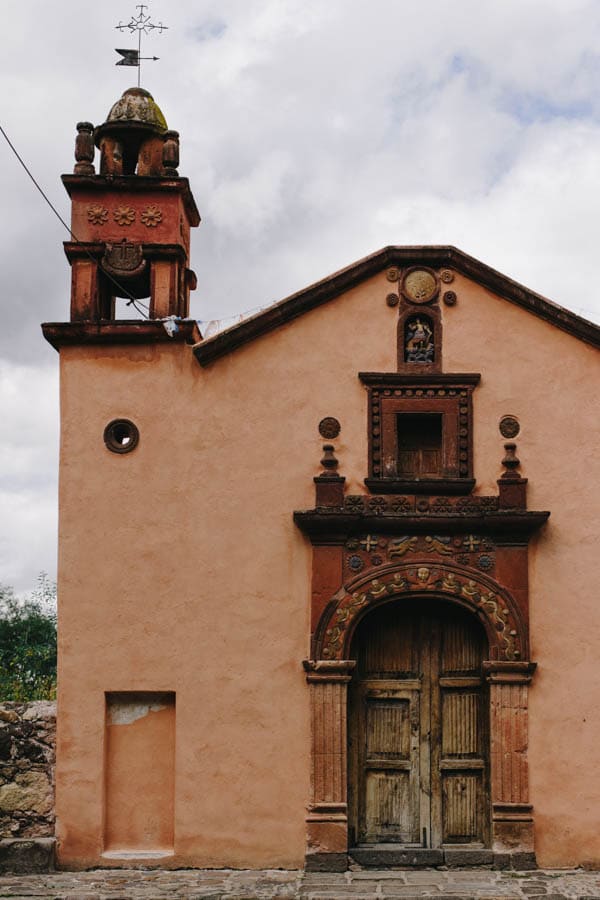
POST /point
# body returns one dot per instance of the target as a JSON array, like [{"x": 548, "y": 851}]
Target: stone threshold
[{"x": 390, "y": 856}]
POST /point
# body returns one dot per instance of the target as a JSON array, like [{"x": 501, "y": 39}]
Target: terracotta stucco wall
[{"x": 181, "y": 570}]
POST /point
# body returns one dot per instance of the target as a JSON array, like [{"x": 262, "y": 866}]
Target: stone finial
[
  {"x": 84, "y": 149},
  {"x": 512, "y": 487},
  {"x": 511, "y": 462},
  {"x": 329, "y": 462},
  {"x": 170, "y": 156},
  {"x": 329, "y": 484}
]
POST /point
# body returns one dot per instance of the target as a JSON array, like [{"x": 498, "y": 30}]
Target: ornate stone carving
[
  {"x": 450, "y": 298},
  {"x": 406, "y": 394},
  {"x": 471, "y": 551},
  {"x": 151, "y": 216},
  {"x": 395, "y": 505},
  {"x": 447, "y": 276},
  {"x": 97, "y": 214},
  {"x": 492, "y": 604},
  {"x": 392, "y": 299},
  {"x": 393, "y": 274},
  {"x": 124, "y": 215},
  {"x": 419, "y": 285},
  {"x": 509, "y": 426},
  {"x": 329, "y": 428},
  {"x": 123, "y": 259}
]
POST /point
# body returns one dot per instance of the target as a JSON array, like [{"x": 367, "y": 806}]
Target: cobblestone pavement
[{"x": 225, "y": 884}]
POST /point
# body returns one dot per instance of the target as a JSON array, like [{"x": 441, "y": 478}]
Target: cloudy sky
[{"x": 314, "y": 132}]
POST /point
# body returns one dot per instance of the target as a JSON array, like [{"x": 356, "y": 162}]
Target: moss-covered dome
[{"x": 136, "y": 109}]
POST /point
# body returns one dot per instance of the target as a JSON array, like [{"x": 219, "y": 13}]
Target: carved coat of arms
[{"x": 124, "y": 260}]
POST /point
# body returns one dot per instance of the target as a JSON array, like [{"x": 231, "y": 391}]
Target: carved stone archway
[
  {"x": 508, "y": 672},
  {"x": 492, "y": 604}
]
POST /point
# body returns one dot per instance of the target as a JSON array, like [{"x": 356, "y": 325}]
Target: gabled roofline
[{"x": 435, "y": 256}]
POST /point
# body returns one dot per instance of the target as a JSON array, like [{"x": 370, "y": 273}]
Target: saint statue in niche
[{"x": 418, "y": 341}]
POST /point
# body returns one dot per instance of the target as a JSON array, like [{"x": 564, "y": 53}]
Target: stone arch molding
[{"x": 493, "y": 605}]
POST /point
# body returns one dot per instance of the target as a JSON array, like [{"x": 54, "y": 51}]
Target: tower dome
[
  {"x": 132, "y": 138},
  {"x": 137, "y": 108}
]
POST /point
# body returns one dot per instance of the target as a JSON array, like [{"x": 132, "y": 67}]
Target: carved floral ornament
[
  {"x": 97, "y": 214},
  {"x": 477, "y": 592},
  {"x": 151, "y": 216},
  {"x": 369, "y": 551},
  {"x": 124, "y": 215},
  {"x": 420, "y": 285}
]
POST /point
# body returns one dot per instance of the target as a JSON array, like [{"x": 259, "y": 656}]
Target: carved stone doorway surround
[
  {"x": 328, "y": 678},
  {"x": 499, "y": 602}
]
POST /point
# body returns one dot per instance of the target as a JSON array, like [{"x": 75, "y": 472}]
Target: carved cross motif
[
  {"x": 471, "y": 542},
  {"x": 369, "y": 543}
]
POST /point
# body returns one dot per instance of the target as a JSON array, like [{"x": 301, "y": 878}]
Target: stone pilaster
[
  {"x": 327, "y": 819},
  {"x": 512, "y": 819}
]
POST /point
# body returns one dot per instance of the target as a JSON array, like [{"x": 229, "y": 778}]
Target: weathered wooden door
[{"x": 418, "y": 729}]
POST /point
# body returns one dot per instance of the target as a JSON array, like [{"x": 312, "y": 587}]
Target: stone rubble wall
[{"x": 27, "y": 754}]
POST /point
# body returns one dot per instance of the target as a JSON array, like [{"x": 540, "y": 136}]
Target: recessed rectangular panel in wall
[{"x": 139, "y": 775}]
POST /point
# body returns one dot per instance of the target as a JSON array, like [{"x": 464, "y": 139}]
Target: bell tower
[{"x": 130, "y": 222}]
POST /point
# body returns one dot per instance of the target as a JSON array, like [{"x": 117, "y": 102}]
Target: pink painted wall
[{"x": 181, "y": 569}]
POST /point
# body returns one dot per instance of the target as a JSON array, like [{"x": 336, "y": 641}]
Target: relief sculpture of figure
[{"x": 419, "y": 345}]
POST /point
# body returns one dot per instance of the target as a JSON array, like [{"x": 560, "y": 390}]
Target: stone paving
[{"x": 221, "y": 884}]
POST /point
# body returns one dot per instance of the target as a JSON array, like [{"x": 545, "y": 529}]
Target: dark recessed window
[
  {"x": 121, "y": 436},
  {"x": 419, "y": 444}
]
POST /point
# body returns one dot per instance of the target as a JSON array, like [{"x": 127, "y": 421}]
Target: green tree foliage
[{"x": 28, "y": 643}]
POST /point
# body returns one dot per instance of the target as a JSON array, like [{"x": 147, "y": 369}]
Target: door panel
[
  {"x": 418, "y": 728},
  {"x": 389, "y": 808},
  {"x": 389, "y": 739},
  {"x": 461, "y": 729},
  {"x": 388, "y": 728},
  {"x": 462, "y": 807}
]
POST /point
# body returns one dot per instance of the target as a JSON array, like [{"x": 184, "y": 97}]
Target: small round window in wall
[{"x": 121, "y": 436}]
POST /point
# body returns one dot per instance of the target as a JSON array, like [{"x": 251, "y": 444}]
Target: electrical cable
[{"x": 132, "y": 301}]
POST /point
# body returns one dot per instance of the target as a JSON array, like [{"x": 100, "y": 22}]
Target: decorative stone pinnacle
[
  {"x": 511, "y": 462},
  {"x": 329, "y": 462},
  {"x": 84, "y": 149}
]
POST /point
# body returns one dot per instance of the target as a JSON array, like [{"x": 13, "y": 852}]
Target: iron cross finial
[{"x": 143, "y": 24}]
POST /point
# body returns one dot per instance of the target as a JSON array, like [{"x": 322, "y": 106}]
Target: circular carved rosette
[
  {"x": 450, "y": 298},
  {"x": 419, "y": 285},
  {"x": 96, "y": 214},
  {"x": 124, "y": 215},
  {"x": 509, "y": 426},
  {"x": 151, "y": 216},
  {"x": 329, "y": 428}
]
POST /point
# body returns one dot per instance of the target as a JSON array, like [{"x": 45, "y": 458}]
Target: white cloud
[{"x": 313, "y": 133}]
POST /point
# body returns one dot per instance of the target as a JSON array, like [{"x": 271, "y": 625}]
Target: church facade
[{"x": 327, "y": 580}]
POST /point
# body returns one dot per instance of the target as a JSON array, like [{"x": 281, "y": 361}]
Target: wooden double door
[{"x": 418, "y": 729}]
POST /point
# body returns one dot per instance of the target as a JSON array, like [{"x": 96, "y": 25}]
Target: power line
[{"x": 132, "y": 301}]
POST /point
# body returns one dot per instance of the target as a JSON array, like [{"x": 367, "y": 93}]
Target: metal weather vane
[{"x": 143, "y": 24}]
